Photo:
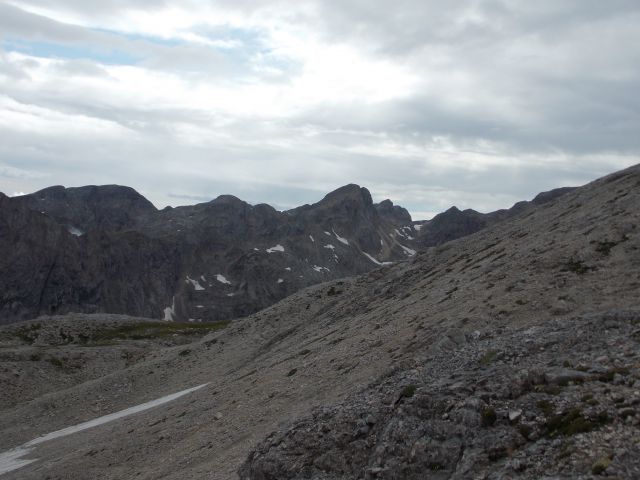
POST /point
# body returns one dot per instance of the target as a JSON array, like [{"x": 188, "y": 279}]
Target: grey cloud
[
  {"x": 544, "y": 79},
  {"x": 16, "y": 23}
]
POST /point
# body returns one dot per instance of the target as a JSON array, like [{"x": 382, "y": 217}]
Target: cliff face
[
  {"x": 107, "y": 249},
  {"x": 48, "y": 270}
]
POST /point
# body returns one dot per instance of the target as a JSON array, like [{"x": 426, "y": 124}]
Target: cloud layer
[{"x": 429, "y": 103}]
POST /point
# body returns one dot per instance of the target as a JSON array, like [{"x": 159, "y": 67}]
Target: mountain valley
[{"x": 510, "y": 352}]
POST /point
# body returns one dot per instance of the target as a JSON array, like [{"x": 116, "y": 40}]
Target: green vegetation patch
[
  {"x": 573, "y": 422},
  {"x": 152, "y": 331},
  {"x": 408, "y": 391},
  {"x": 577, "y": 266},
  {"x": 489, "y": 417},
  {"x": 489, "y": 357},
  {"x": 28, "y": 333},
  {"x": 601, "y": 465}
]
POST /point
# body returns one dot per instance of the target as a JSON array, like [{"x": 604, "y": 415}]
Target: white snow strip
[
  {"x": 199, "y": 306},
  {"x": 12, "y": 459},
  {"x": 203, "y": 279},
  {"x": 311, "y": 237},
  {"x": 288, "y": 269},
  {"x": 329, "y": 246},
  {"x": 280, "y": 280},
  {"x": 371, "y": 258},
  {"x": 376, "y": 261},
  {"x": 340, "y": 239},
  {"x": 277, "y": 248},
  {"x": 230, "y": 294},
  {"x": 320, "y": 269},
  {"x": 195, "y": 283},
  {"x": 170, "y": 312},
  {"x": 222, "y": 279},
  {"x": 409, "y": 251},
  {"x": 75, "y": 231},
  {"x": 256, "y": 249},
  {"x": 398, "y": 232},
  {"x": 327, "y": 233},
  {"x": 381, "y": 243}
]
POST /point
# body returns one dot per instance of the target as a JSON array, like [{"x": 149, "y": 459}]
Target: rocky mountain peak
[
  {"x": 228, "y": 200},
  {"x": 351, "y": 193},
  {"x": 90, "y": 207},
  {"x": 394, "y": 214}
]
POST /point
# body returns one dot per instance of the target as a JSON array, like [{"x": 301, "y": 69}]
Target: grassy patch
[
  {"x": 605, "y": 247},
  {"x": 489, "y": 417},
  {"x": 600, "y": 466},
  {"x": 573, "y": 422},
  {"x": 611, "y": 373},
  {"x": 577, "y": 266},
  {"x": 489, "y": 357},
  {"x": 408, "y": 391},
  {"x": 153, "y": 331},
  {"x": 547, "y": 407},
  {"x": 28, "y": 334}
]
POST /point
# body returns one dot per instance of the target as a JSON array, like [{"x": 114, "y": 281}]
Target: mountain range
[
  {"x": 513, "y": 352},
  {"x": 108, "y": 249}
]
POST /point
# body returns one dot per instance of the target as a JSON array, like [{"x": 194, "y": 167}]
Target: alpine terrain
[{"x": 511, "y": 352}]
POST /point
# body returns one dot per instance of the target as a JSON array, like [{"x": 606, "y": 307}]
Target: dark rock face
[
  {"x": 394, "y": 214},
  {"x": 450, "y": 225},
  {"x": 108, "y": 249},
  {"x": 108, "y": 207},
  {"x": 50, "y": 270},
  {"x": 216, "y": 260},
  {"x": 455, "y": 223}
]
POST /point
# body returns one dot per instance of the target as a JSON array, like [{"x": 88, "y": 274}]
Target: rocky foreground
[{"x": 510, "y": 353}]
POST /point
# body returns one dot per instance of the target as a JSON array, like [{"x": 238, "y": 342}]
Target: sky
[{"x": 430, "y": 103}]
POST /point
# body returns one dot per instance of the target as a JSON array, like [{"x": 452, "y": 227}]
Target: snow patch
[
  {"x": 409, "y": 251},
  {"x": 170, "y": 312},
  {"x": 75, "y": 231},
  {"x": 320, "y": 269},
  {"x": 280, "y": 280},
  {"x": 311, "y": 237},
  {"x": 277, "y": 248},
  {"x": 327, "y": 233},
  {"x": 12, "y": 459},
  {"x": 329, "y": 246},
  {"x": 199, "y": 306},
  {"x": 222, "y": 279},
  {"x": 231, "y": 294},
  {"x": 376, "y": 261},
  {"x": 340, "y": 239},
  {"x": 195, "y": 283},
  {"x": 418, "y": 226},
  {"x": 288, "y": 269}
]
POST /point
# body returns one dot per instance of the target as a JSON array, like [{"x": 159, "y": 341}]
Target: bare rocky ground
[{"x": 527, "y": 318}]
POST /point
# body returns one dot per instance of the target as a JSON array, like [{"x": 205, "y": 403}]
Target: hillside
[{"x": 509, "y": 353}]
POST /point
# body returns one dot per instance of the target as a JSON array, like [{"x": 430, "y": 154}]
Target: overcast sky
[{"x": 430, "y": 103}]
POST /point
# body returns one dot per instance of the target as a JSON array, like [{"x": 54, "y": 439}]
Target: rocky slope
[
  {"x": 455, "y": 223},
  {"x": 516, "y": 348}
]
